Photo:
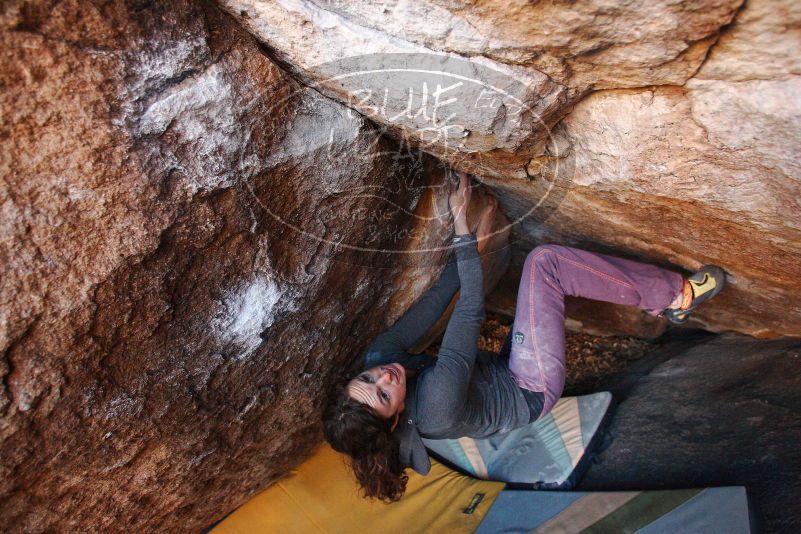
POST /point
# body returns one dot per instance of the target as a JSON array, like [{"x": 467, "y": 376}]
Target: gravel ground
[{"x": 590, "y": 359}]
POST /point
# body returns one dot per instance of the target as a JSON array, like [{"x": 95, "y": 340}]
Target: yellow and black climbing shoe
[{"x": 698, "y": 288}]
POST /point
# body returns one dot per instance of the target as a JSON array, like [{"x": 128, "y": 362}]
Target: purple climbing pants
[{"x": 551, "y": 272}]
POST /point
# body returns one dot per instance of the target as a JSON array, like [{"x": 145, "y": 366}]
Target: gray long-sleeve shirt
[{"x": 463, "y": 392}]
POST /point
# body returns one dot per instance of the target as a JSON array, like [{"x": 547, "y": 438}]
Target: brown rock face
[
  {"x": 537, "y": 58},
  {"x": 686, "y": 153},
  {"x": 580, "y": 44},
  {"x": 194, "y": 247},
  {"x": 704, "y": 173}
]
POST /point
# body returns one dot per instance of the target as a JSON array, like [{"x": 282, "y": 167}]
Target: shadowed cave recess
[{"x": 209, "y": 209}]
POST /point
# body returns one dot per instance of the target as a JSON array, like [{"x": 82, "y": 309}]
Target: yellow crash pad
[{"x": 322, "y": 496}]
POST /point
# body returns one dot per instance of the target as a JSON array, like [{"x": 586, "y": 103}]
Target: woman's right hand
[{"x": 459, "y": 201}]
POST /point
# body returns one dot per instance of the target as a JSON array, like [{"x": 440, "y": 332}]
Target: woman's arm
[
  {"x": 392, "y": 344},
  {"x": 446, "y": 384}
]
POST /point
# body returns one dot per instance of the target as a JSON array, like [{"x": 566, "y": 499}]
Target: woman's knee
[
  {"x": 543, "y": 254},
  {"x": 544, "y": 259}
]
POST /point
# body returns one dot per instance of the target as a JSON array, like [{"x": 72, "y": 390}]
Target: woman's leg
[{"x": 537, "y": 357}]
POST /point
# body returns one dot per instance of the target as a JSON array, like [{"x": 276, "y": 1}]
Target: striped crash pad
[
  {"x": 696, "y": 511},
  {"x": 321, "y": 496},
  {"x": 551, "y": 453}
]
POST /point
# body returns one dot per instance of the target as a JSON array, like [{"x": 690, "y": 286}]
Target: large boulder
[
  {"x": 665, "y": 131},
  {"x": 542, "y": 57},
  {"x": 580, "y": 45},
  {"x": 714, "y": 411},
  {"x": 194, "y": 247},
  {"x": 708, "y": 172}
]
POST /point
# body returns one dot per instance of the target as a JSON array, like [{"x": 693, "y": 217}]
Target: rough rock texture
[
  {"x": 726, "y": 411},
  {"x": 686, "y": 153},
  {"x": 579, "y": 45},
  {"x": 544, "y": 57},
  {"x": 705, "y": 173},
  {"x": 193, "y": 247},
  {"x": 319, "y": 44}
]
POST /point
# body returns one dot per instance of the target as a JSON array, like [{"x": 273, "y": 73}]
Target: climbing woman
[{"x": 379, "y": 416}]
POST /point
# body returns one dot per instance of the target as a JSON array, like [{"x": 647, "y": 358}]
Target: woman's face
[{"x": 383, "y": 388}]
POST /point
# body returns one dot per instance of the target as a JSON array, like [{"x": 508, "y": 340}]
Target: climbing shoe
[{"x": 698, "y": 288}]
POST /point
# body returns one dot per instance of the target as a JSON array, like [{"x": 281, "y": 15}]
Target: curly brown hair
[{"x": 354, "y": 429}]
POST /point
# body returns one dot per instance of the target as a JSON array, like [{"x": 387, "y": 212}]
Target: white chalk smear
[{"x": 245, "y": 312}]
